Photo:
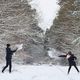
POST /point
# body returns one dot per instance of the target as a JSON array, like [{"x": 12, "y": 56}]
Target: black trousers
[
  {"x": 8, "y": 63},
  {"x": 74, "y": 66}
]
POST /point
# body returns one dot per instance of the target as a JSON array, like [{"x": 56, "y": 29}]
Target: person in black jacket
[
  {"x": 71, "y": 59},
  {"x": 9, "y": 54}
]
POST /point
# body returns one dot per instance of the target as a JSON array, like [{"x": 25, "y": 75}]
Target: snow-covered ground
[
  {"x": 47, "y": 11},
  {"x": 39, "y": 72}
]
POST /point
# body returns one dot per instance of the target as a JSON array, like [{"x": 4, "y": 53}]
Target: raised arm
[
  {"x": 13, "y": 51},
  {"x": 62, "y": 56}
]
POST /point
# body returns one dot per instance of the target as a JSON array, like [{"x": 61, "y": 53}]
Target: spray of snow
[
  {"x": 47, "y": 11},
  {"x": 53, "y": 53},
  {"x": 19, "y": 46}
]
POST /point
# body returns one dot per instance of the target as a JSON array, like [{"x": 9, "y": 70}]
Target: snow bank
[{"x": 41, "y": 72}]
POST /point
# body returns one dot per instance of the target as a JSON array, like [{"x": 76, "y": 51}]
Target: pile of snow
[
  {"x": 47, "y": 11},
  {"x": 41, "y": 72}
]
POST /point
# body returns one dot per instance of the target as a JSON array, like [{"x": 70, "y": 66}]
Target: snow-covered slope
[
  {"x": 41, "y": 72},
  {"x": 47, "y": 11}
]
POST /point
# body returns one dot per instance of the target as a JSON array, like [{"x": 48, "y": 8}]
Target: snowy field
[{"x": 41, "y": 72}]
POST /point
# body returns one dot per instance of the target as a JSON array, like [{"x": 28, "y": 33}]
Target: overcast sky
[{"x": 47, "y": 10}]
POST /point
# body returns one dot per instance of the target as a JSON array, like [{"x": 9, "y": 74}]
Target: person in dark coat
[
  {"x": 71, "y": 59},
  {"x": 9, "y": 54}
]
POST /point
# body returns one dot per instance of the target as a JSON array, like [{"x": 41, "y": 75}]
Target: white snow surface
[
  {"x": 47, "y": 11},
  {"x": 39, "y": 72}
]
